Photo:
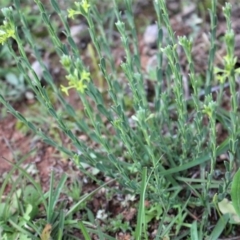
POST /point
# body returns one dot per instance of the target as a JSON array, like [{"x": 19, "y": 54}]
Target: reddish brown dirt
[{"x": 14, "y": 144}]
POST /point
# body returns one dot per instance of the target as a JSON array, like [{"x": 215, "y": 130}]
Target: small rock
[
  {"x": 38, "y": 69},
  {"x": 29, "y": 96},
  {"x": 174, "y": 6},
  {"x": 151, "y": 35},
  {"x": 80, "y": 35}
]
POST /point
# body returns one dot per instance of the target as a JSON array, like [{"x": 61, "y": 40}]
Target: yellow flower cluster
[
  {"x": 7, "y": 30},
  {"x": 80, "y": 84},
  {"x": 82, "y": 8}
]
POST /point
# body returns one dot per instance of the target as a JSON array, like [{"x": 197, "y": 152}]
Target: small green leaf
[
  {"x": 194, "y": 231},
  {"x": 55, "y": 6},
  {"x": 21, "y": 117},
  {"x": 47, "y": 76},
  {"x": 235, "y": 192},
  {"x": 103, "y": 110},
  {"x": 32, "y": 126},
  {"x": 103, "y": 64},
  {"x": 71, "y": 42},
  {"x": 219, "y": 227},
  {"x": 84, "y": 231},
  {"x": 12, "y": 79},
  {"x": 70, "y": 110}
]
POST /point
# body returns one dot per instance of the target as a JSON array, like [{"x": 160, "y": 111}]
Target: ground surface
[{"x": 15, "y": 143}]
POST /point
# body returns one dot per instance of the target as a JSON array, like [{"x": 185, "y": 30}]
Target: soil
[{"x": 15, "y": 143}]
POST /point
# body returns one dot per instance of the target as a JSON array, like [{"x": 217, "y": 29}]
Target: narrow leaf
[
  {"x": 235, "y": 192},
  {"x": 194, "y": 232}
]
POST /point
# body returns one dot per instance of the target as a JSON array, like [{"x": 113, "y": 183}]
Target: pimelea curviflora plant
[{"x": 166, "y": 151}]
